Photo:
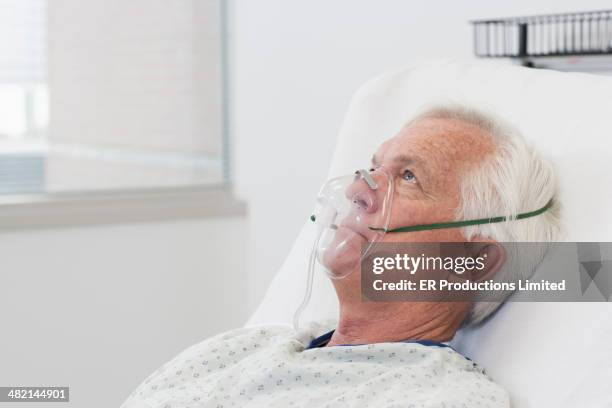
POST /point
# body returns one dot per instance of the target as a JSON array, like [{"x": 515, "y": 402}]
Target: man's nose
[{"x": 363, "y": 197}]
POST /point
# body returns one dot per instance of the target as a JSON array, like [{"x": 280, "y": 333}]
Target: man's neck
[{"x": 398, "y": 321}]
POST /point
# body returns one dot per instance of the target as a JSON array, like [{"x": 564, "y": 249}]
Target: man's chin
[{"x": 344, "y": 253}]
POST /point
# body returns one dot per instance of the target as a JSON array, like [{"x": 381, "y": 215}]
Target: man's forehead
[
  {"x": 430, "y": 138},
  {"x": 396, "y": 158},
  {"x": 403, "y": 148}
]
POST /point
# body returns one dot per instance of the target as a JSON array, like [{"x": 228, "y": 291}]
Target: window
[{"x": 111, "y": 95}]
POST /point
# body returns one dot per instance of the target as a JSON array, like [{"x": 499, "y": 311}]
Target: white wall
[
  {"x": 100, "y": 308},
  {"x": 296, "y": 65}
]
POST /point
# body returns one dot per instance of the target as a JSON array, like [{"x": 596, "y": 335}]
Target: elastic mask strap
[{"x": 458, "y": 224}]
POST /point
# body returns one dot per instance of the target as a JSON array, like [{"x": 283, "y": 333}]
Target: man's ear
[{"x": 492, "y": 254}]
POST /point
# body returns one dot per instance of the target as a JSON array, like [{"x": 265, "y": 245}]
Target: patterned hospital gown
[{"x": 271, "y": 367}]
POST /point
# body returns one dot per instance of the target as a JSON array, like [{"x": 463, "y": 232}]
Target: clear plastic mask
[{"x": 353, "y": 212}]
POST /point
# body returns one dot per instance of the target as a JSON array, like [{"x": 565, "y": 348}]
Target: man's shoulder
[
  {"x": 248, "y": 338},
  {"x": 467, "y": 381},
  {"x": 207, "y": 357},
  {"x": 251, "y": 334}
]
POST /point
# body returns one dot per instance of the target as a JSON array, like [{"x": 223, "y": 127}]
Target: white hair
[{"x": 514, "y": 179}]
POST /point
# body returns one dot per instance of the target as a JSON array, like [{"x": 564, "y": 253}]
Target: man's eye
[{"x": 408, "y": 176}]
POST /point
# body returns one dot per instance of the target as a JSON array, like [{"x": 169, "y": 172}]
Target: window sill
[{"x": 116, "y": 207}]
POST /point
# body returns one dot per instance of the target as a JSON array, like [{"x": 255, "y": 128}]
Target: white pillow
[{"x": 545, "y": 354}]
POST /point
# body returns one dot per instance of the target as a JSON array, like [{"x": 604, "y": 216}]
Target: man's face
[{"x": 426, "y": 161}]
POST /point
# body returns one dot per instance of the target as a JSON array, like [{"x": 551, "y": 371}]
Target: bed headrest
[{"x": 568, "y": 117}]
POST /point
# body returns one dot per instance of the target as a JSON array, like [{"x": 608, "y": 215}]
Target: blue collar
[{"x": 322, "y": 341}]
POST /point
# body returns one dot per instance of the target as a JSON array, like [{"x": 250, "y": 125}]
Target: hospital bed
[{"x": 544, "y": 354}]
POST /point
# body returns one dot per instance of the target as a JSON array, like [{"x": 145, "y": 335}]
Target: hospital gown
[{"x": 272, "y": 367}]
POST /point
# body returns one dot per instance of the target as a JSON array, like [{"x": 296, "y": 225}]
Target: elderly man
[{"x": 448, "y": 164}]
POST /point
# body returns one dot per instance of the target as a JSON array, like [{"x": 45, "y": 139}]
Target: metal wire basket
[{"x": 566, "y": 34}]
